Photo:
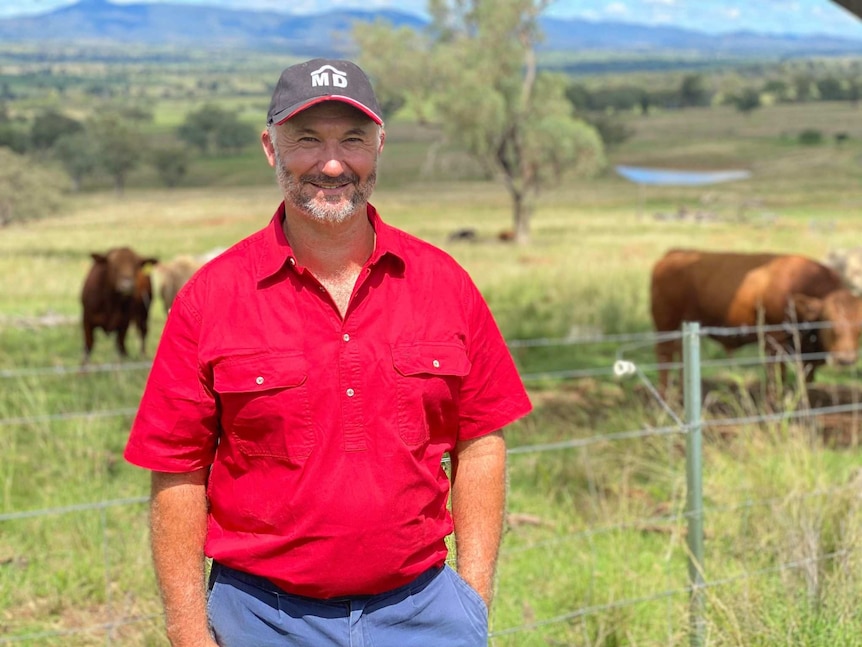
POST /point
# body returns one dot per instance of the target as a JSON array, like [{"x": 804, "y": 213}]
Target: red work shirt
[{"x": 324, "y": 436}]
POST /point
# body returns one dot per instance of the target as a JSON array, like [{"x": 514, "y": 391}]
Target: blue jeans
[{"x": 437, "y": 609}]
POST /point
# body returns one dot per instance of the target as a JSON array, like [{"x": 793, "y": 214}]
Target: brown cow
[
  {"x": 116, "y": 292},
  {"x": 726, "y": 289}
]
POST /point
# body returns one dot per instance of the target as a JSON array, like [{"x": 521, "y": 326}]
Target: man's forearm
[
  {"x": 478, "y": 508},
  {"x": 178, "y": 517}
]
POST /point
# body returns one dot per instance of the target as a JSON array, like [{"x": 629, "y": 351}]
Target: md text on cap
[{"x": 306, "y": 84}]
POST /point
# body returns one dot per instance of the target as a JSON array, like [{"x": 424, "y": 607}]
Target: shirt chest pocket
[
  {"x": 265, "y": 407},
  {"x": 428, "y": 379}
]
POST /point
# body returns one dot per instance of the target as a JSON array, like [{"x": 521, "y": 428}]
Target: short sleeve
[
  {"x": 492, "y": 394},
  {"x": 176, "y": 429}
]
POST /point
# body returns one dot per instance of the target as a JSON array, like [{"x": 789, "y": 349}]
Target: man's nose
[{"x": 333, "y": 168}]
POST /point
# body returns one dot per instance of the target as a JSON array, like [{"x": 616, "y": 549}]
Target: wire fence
[{"x": 622, "y": 360}]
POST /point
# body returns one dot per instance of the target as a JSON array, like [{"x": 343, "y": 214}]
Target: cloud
[{"x": 617, "y": 9}]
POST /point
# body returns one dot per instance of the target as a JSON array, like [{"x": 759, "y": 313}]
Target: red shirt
[{"x": 325, "y": 436}]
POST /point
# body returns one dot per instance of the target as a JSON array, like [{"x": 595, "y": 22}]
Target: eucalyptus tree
[{"x": 476, "y": 75}]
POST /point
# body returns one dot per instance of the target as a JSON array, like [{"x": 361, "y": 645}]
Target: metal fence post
[{"x": 694, "y": 478}]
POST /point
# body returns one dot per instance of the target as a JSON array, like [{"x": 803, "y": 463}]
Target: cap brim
[{"x": 294, "y": 110}]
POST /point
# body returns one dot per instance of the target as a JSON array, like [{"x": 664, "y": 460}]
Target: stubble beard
[{"x": 333, "y": 211}]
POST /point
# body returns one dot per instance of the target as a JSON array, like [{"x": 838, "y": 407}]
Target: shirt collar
[{"x": 276, "y": 251}]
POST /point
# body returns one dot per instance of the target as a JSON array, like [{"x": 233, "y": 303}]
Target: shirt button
[
  {"x": 346, "y": 337},
  {"x": 350, "y": 393},
  {"x": 291, "y": 260},
  {"x": 435, "y": 364},
  {"x": 322, "y": 289},
  {"x": 259, "y": 380}
]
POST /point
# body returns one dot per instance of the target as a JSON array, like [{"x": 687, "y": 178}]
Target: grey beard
[{"x": 333, "y": 213}]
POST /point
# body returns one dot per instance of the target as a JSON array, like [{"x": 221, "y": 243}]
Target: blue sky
[{"x": 771, "y": 16}]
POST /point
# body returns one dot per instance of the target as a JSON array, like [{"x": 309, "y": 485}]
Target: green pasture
[{"x": 594, "y": 552}]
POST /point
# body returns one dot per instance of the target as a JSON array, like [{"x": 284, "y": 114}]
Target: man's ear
[
  {"x": 268, "y": 147},
  {"x": 382, "y": 139}
]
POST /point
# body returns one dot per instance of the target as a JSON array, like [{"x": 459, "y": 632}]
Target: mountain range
[{"x": 327, "y": 34}]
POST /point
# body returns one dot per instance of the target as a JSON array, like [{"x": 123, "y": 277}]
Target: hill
[{"x": 328, "y": 33}]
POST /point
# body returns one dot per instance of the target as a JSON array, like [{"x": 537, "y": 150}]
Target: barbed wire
[{"x": 75, "y": 507}]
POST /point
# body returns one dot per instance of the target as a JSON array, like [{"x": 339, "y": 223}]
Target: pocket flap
[
  {"x": 261, "y": 372},
  {"x": 432, "y": 358}
]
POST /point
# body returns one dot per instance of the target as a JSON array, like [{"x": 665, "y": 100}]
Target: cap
[{"x": 305, "y": 84}]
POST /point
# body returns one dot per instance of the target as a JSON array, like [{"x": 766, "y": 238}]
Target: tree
[
  {"x": 747, "y": 101},
  {"x": 171, "y": 163},
  {"x": 233, "y": 135},
  {"x": 778, "y": 89},
  {"x": 831, "y": 89},
  {"x": 692, "y": 91},
  {"x": 27, "y": 190},
  {"x": 579, "y": 96},
  {"x": 407, "y": 82},
  {"x": 121, "y": 148},
  {"x": 484, "y": 89},
  {"x": 14, "y": 136},
  {"x": 79, "y": 155},
  {"x": 49, "y": 125},
  {"x": 213, "y": 129}
]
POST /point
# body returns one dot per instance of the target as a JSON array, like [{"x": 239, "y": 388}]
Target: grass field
[{"x": 595, "y": 550}]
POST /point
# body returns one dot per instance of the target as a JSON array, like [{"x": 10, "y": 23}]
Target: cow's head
[
  {"x": 123, "y": 266},
  {"x": 842, "y": 312}
]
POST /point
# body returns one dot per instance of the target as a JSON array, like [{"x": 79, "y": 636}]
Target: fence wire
[{"x": 622, "y": 365}]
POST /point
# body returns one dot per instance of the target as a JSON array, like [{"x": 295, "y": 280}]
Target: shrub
[
  {"x": 810, "y": 137},
  {"x": 27, "y": 190}
]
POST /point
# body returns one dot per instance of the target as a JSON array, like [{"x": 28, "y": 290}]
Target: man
[{"x": 308, "y": 383}]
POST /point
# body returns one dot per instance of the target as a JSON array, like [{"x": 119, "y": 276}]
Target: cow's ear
[
  {"x": 99, "y": 258},
  {"x": 807, "y": 308},
  {"x": 152, "y": 260}
]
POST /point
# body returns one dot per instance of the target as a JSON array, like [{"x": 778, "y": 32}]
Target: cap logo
[{"x": 323, "y": 77}]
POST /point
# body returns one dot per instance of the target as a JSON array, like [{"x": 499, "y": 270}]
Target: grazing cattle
[
  {"x": 468, "y": 234},
  {"x": 116, "y": 292},
  {"x": 725, "y": 289},
  {"x": 171, "y": 275}
]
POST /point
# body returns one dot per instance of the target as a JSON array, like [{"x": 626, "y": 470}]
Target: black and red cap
[{"x": 306, "y": 84}]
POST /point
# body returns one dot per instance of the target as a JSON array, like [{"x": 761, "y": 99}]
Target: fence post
[{"x": 694, "y": 478}]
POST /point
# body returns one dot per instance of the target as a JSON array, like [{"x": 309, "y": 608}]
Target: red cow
[
  {"x": 117, "y": 291},
  {"x": 726, "y": 289}
]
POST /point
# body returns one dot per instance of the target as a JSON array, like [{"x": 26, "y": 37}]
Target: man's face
[{"x": 326, "y": 160}]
